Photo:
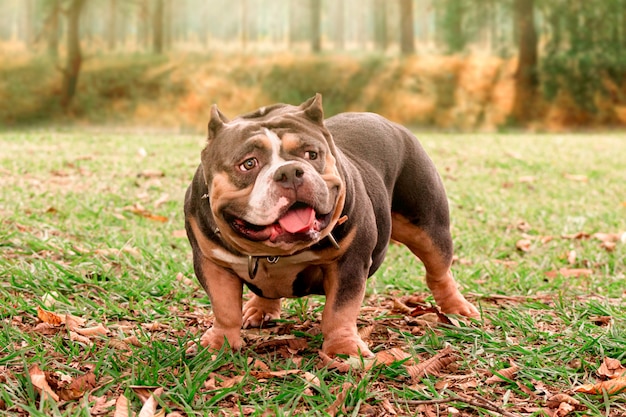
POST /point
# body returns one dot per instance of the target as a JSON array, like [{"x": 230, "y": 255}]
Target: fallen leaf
[
  {"x": 72, "y": 322},
  {"x": 433, "y": 365},
  {"x": 151, "y": 173},
  {"x": 503, "y": 375},
  {"x": 388, "y": 357},
  {"x": 333, "y": 363},
  {"x": 612, "y": 386},
  {"x": 77, "y": 388},
  {"x": 570, "y": 273},
  {"x": 337, "y": 405},
  {"x": 571, "y": 257},
  {"x": 612, "y": 369},
  {"x": 49, "y": 317},
  {"x": 101, "y": 406},
  {"x": 523, "y": 245},
  {"x": 577, "y": 236},
  {"x": 576, "y": 177},
  {"x": 151, "y": 404},
  {"x": 139, "y": 210},
  {"x": 93, "y": 331},
  {"x": 556, "y": 400},
  {"x": 122, "y": 408},
  {"x": 601, "y": 320},
  {"x": 39, "y": 381}
]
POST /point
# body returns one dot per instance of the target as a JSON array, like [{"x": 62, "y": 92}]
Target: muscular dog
[{"x": 290, "y": 204}]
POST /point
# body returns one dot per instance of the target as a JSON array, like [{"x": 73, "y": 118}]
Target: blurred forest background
[{"x": 436, "y": 64}]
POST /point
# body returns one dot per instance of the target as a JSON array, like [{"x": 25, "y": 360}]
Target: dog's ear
[
  {"x": 313, "y": 109},
  {"x": 217, "y": 121}
]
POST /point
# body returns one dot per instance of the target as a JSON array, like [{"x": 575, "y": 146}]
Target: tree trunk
[
  {"x": 526, "y": 74},
  {"x": 407, "y": 37},
  {"x": 454, "y": 21},
  {"x": 112, "y": 25},
  {"x": 157, "y": 27},
  {"x": 243, "y": 32},
  {"x": 380, "y": 24},
  {"x": 52, "y": 29},
  {"x": 340, "y": 25},
  {"x": 316, "y": 25},
  {"x": 74, "y": 58}
]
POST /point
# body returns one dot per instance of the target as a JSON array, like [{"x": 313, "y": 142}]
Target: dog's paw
[
  {"x": 350, "y": 346},
  {"x": 260, "y": 310},
  {"x": 457, "y": 304},
  {"x": 215, "y": 338}
]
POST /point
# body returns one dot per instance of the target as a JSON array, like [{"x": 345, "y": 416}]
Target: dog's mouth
[{"x": 299, "y": 222}]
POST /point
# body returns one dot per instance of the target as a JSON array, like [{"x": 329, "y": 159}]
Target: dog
[{"x": 291, "y": 204}]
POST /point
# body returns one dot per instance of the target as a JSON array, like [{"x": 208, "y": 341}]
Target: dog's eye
[
  {"x": 248, "y": 164},
  {"x": 311, "y": 155}
]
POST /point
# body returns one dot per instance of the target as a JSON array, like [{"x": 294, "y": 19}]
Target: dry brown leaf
[
  {"x": 366, "y": 332},
  {"x": 77, "y": 388},
  {"x": 388, "y": 357},
  {"x": 571, "y": 257},
  {"x": 232, "y": 381},
  {"x": 333, "y": 363},
  {"x": 433, "y": 365},
  {"x": 523, "y": 245},
  {"x": 75, "y": 337},
  {"x": 400, "y": 307},
  {"x": 570, "y": 273},
  {"x": 556, "y": 400},
  {"x": 311, "y": 379},
  {"x": 577, "y": 236},
  {"x": 612, "y": 369},
  {"x": 151, "y": 173},
  {"x": 576, "y": 177},
  {"x": 139, "y": 210},
  {"x": 122, "y": 408},
  {"x": 101, "y": 406},
  {"x": 93, "y": 331},
  {"x": 133, "y": 340},
  {"x": 612, "y": 386},
  {"x": 151, "y": 404},
  {"x": 38, "y": 378},
  {"x": 337, "y": 405},
  {"x": 49, "y": 317},
  {"x": 503, "y": 375},
  {"x": 72, "y": 322}
]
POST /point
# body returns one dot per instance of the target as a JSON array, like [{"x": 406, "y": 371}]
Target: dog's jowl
[{"x": 290, "y": 204}]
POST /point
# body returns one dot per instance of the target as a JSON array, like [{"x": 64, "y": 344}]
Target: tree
[
  {"x": 316, "y": 25},
  {"x": 526, "y": 74},
  {"x": 407, "y": 36},
  {"x": 112, "y": 25},
  {"x": 74, "y": 57},
  {"x": 380, "y": 24},
  {"x": 157, "y": 25}
]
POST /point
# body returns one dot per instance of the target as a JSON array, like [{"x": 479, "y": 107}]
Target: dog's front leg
[
  {"x": 225, "y": 290},
  {"x": 344, "y": 296}
]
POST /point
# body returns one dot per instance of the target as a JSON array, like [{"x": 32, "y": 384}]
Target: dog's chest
[{"x": 280, "y": 277}]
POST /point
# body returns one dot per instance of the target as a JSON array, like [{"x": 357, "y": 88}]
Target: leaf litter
[{"x": 279, "y": 342}]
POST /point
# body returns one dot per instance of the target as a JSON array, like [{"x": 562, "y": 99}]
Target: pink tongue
[{"x": 297, "y": 220}]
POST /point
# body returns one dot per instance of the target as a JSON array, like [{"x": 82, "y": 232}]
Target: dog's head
[{"x": 273, "y": 182}]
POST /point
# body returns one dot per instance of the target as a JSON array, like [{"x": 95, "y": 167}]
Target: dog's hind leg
[{"x": 433, "y": 246}]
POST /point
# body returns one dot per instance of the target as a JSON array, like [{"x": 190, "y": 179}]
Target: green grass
[{"x": 69, "y": 244}]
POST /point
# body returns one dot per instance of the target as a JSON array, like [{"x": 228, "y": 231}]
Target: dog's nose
[{"x": 289, "y": 176}]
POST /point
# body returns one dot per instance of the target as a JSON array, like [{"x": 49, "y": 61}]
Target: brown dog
[{"x": 291, "y": 204}]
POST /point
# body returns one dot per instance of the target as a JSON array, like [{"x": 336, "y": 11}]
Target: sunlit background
[{"x": 434, "y": 64}]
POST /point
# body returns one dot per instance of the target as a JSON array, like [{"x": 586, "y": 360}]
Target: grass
[{"x": 74, "y": 240}]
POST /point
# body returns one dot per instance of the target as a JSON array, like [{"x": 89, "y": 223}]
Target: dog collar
[{"x": 253, "y": 261}]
